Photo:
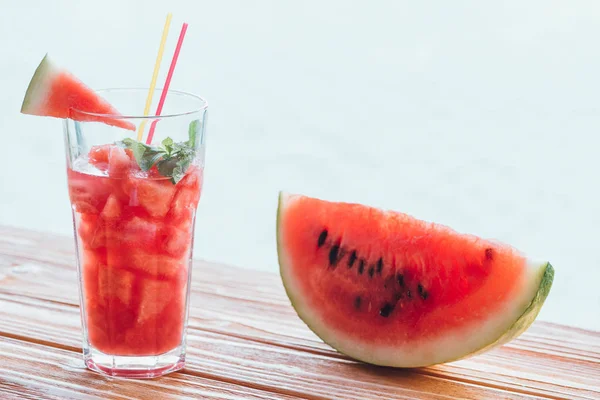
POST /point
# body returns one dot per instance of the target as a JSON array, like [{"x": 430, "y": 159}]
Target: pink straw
[{"x": 163, "y": 95}]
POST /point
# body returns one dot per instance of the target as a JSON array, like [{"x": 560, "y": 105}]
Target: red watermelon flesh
[
  {"x": 55, "y": 92},
  {"x": 389, "y": 289}
]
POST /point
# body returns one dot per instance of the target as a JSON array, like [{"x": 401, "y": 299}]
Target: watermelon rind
[
  {"x": 38, "y": 87},
  {"x": 531, "y": 312},
  {"x": 497, "y": 330}
]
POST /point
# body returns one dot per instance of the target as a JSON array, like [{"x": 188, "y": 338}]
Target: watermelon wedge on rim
[
  {"x": 55, "y": 92},
  {"x": 389, "y": 289}
]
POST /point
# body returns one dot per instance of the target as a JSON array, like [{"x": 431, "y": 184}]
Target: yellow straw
[{"x": 161, "y": 49}]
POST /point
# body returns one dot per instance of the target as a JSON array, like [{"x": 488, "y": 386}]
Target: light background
[{"x": 480, "y": 115}]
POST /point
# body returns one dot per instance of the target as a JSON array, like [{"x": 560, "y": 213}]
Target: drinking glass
[{"x": 134, "y": 211}]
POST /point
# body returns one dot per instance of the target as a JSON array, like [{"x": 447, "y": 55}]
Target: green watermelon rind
[
  {"x": 35, "y": 88},
  {"x": 545, "y": 274},
  {"x": 530, "y": 313}
]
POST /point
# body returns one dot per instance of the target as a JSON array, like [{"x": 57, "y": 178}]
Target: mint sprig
[{"x": 172, "y": 159}]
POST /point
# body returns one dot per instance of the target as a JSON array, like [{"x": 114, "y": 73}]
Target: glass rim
[{"x": 203, "y": 106}]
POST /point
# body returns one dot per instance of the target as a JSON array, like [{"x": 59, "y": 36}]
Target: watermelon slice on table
[
  {"x": 55, "y": 92},
  {"x": 389, "y": 289}
]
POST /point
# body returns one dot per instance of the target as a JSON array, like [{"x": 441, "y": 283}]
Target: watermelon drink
[
  {"x": 135, "y": 239},
  {"x": 134, "y": 208}
]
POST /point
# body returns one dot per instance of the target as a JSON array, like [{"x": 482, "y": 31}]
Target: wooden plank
[
  {"x": 33, "y": 371},
  {"x": 249, "y": 310},
  {"x": 250, "y": 363},
  {"x": 506, "y": 368}
]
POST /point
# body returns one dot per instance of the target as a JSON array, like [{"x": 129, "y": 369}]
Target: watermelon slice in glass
[{"x": 55, "y": 92}]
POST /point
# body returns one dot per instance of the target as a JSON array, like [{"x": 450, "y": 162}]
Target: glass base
[{"x": 138, "y": 367}]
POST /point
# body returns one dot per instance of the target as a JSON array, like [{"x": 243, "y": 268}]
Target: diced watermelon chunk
[
  {"x": 129, "y": 236},
  {"x": 89, "y": 274},
  {"x": 120, "y": 319},
  {"x": 119, "y": 164},
  {"x": 98, "y": 326},
  {"x": 94, "y": 256},
  {"x": 176, "y": 240},
  {"x": 98, "y": 156},
  {"x": 112, "y": 159},
  {"x": 119, "y": 190},
  {"x": 134, "y": 167},
  {"x": 92, "y": 231},
  {"x": 154, "y": 195},
  {"x": 161, "y": 332},
  {"x": 87, "y": 193},
  {"x": 138, "y": 232},
  {"x": 108, "y": 324},
  {"x": 186, "y": 199},
  {"x": 55, "y": 92},
  {"x": 154, "y": 295},
  {"x": 156, "y": 265},
  {"x": 115, "y": 283},
  {"x": 112, "y": 208}
]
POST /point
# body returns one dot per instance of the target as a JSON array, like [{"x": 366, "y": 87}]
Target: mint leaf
[
  {"x": 166, "y": 167},
  {"x": 171, "y": 159},
  {"x": 192, "y": 132},
  {"x": 126, "y": 142},
  {"x": 175, "y": 168},
  {"x": 179, "y": 147},
  {"x": 167, "y": 144},
  {"x": 145, "y": 156},
  {"x": 150, "y": 158},
  {"x": 178, "y": 174},
  {"x": 181, "y": 167}
]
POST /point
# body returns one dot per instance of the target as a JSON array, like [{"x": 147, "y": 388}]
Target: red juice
[{"x": 134, "y": 237}]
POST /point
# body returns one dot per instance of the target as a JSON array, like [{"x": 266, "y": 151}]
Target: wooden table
[{"x": 245, "y": 341}]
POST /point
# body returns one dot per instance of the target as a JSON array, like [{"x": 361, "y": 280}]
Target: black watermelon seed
[
  {"x": 379, "y": 265},
  {"x": 322, "y": 238},
  {"x": 371, "y": 272},
  {"x": 424, "y": 295},
  {"x": 352, "y": 259},
  {"x": 386, "y": 310},
  {"x": 489, "y": 254},
  {"x": 361, "y": 266},
  {"x": 400, "y": 279},
  {"x": 408, "y": 294},
  {"x": 357, "y": 302},
  {"x": 333, "y": 255}
]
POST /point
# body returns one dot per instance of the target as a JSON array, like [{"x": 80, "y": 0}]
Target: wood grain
[
  {"x": 53, "y": 373},
  {"x": 244, "y": 333},
  {"x": 245, "y": 362}
]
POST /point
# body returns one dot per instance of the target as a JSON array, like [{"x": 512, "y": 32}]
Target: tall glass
[{"x": 133, "y": 214}]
